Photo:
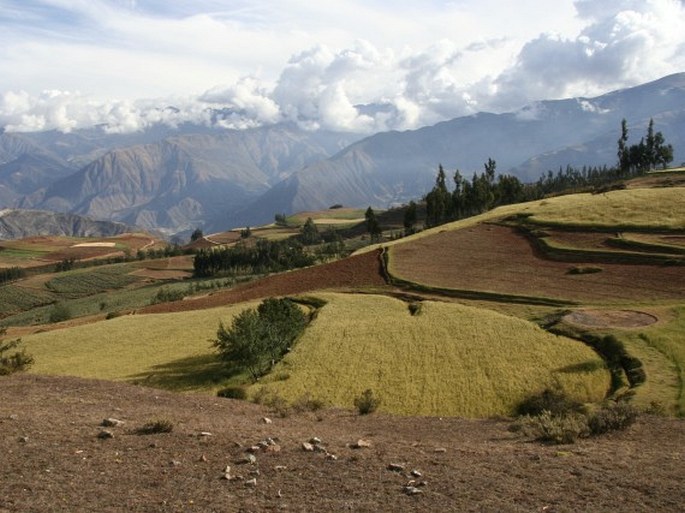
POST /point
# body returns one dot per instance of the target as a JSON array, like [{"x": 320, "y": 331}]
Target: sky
[{"x": 355, "y": 65}]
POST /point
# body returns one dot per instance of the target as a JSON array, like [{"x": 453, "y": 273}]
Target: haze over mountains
[{"x": 176, "y": 179}]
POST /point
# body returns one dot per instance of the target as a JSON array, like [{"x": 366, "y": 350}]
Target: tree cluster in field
[
  {"x": 263, "y": 256},
  {"x": 11, "y": 274},
  {"x": 257, "y": 339},
  {"x": 484, "y": 192}
]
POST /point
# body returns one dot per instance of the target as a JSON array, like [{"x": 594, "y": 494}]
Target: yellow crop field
[
  {"x": 449, "y": 359},
  {"x": 166, "y": 350},
  {"x": 639, "y": 208}
]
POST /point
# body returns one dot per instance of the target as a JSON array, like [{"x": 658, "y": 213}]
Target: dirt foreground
[{"x": 53, "y": 458}]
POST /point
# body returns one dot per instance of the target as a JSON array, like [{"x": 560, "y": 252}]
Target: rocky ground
[{"x": 229, "y": 456}]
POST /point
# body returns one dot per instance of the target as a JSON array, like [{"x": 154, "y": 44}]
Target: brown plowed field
[
  {"x": 52, "y": 460},
  {"x": 498, "y": 259},
  {"x": 361, "y": 271}
]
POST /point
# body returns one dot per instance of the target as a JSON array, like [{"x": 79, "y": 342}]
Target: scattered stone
[
  {"x": 360, "y": 444},
  {"x": 250, "y": 459},
  {"x": 263, "y": 444},
  {"x": 440, "y": 449},
  {"x": 396, "y": 467},
  {"x": 227, "y": 470},
  {"x": 227, "y": 477},
  {"x": 271, "y": 441},
  {"x": 416, "y": 473},
  {"x": 112, "y": 422},
  {"x": 273, "y": 448},
  {"x": 280, "y": 468},
  {"x": 331, "y": 457},
  {"x": 23, "y": 439},
  {"x": 203, "y": 458},
  {"x": 412, "y": 490},
  {"x": 14, "y": 416},
  {"x": 251, "y": 483},
  {"x": 267, "y": 420},
  {"x": 105, "y": 434},
  {"x": 422, "y": 483},
  {"x": 320, "y": 448},
  {"x": 254, "y": 448},
  {"x": 255, "y": 472},
  {"x": 206, "y": 433},
  {"x": 315, "y": 441},
  {"x": 307, "y": 447},
  {"x": 175, "y": 463}
]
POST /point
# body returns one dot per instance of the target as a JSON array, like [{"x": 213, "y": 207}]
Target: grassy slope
[
  {"x": 448, "y": 360},
  {"x": 166, "y": 350}
]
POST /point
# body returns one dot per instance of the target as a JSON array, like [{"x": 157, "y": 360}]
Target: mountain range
[{"x": 176, "y": 179}]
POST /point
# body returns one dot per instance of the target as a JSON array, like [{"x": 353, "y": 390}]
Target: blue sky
[{"x": 72, "y": 63}]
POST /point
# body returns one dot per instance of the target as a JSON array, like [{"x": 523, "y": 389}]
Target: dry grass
[{"x": 447, "y": 360}]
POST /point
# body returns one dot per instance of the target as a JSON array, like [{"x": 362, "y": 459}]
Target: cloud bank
[{"x": 366, "y": 87}]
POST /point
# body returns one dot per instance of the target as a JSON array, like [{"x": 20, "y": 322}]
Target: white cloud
[{"x": 341, "y": 65}]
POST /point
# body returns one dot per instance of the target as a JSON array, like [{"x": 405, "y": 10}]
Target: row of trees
[
  {"x": 11, "y": 274},
  {"x": 651, "y": 152},
  {"x": 262, "y": 256}
]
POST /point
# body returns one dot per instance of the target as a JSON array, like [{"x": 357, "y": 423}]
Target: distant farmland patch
[
  {"x": 448, "y": 359},
  {"x": 497, "y": 259}
]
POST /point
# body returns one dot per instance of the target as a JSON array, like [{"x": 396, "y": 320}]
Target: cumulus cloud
[{"x": 365, "y": 87}]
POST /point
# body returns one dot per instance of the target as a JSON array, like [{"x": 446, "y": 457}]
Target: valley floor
[{"x": 54, "y": 461}]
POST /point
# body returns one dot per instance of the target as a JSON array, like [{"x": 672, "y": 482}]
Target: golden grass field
[
  {"x": 448, "y": 360},
  {"x": 162, "y": 349}
]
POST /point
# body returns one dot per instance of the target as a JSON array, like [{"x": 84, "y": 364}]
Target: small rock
[
  {"x": 412, "y": 490},
  {"x": 14, "y": 416},
  {"x": 254, "y": 448},
  {"x": 360, "y": 444},
  {"x": 205, "y": 433},
  {"x": 320, "y": 448},
  {"x": 271, "y": 441},
  {"x": 250, "y": 459},
  {"x": 315, "y": 441},
  {"x": 251, "y": 483},
  {"x": 440, "y": 449},
  {"x": 255, "y": 472},
  {"x": 396, "y": 467},
  {"x": 267, "y": 420},
  {"x": 263, "y": 444},
  {"x": 227, "y": 477},
  {"x": 280, "y": 468},
  {"x": 112, "y": 422},
  {"x": 416, "y": 473},
  {"x": 273, "y": 448},
  {"x": 307, "y": 447},
  {"x": 23, "y": 439},
  {"x": 105, "y": 434},
  {"x": 175, "y": 463},
  {"x": 203, "y": 458},
  {"x": 331, "y": 457}
]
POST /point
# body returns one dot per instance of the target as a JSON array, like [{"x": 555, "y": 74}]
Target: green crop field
[
  {"x": 91, "y": 281},
  {"x": 170, "y": 351},
  {"x": 15, "y": 299},
  {"x": 447, "y": 360}
]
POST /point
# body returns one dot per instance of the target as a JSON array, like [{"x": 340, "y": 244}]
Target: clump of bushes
[
  {"x": 367, "y": 403},
  {"x": 156, "y": 427},
  {"x": 17, "y": 361},
  {"x": 59, "y": 313},
  {"x": 565, "y": 421},
  {"x": 167, "y": 295}
]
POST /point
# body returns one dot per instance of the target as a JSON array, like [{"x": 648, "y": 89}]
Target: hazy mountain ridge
[
  {"x": 21, "y": 223},
  {"x": 176, "y": 179}
]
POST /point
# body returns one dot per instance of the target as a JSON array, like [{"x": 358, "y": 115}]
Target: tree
[
  {"x": 623, "y": 152},
  {"x": 309, "y": 234},
  {"x": 438, "y": 201},
  {"x": 257, "y": 339},
  {"x": 372, "y": 225},
  {"x": 410, "y": 218},
  {"x": 15, "y": 362},
  {"x": 196, "y": 235}
]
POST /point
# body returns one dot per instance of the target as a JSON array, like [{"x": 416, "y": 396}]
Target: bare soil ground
[
  {"x": 362, "y": 271},
  {"x": 53, "y": 460},
  {"x": 610, "y": 318},
  {"x": 498, "y": 259}
]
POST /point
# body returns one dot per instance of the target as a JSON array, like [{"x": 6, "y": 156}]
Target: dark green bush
[
  {"x": 15, "y": 362},
  {"x": 615, "y": 416},
  {"x": 555, "y": 429},
  {"x": 233, "y": 392},
  {"x": 60, "y": 312},
  {"x": 366, "y": 403}
]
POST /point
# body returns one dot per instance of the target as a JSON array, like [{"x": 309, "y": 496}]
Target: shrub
[
  {"x": 60, "y": 312},
  {"x": 584, "y": 270},
  {"x": 155, "y": 427},
  {"x": 167, "y": 295},
  {"x": 615, "y": 416},
  {"x": 308, "y": 403},
  {"x": 112, "y": 315},
  {"x": 415, "y": 307},
  {"x": 556, "y": 429},
  {"x": 16, "y": 362},
  {"x": 554, "y": 401},
  {"x": 233, "y": 392},
  {"x": 366, "y": 403}
]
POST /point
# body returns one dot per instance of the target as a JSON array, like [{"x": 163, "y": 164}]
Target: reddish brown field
[
  {"x": 53, "y": 460},
  {"x": 498, "y": 259},
  {"x": 362, "y": 271}
]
